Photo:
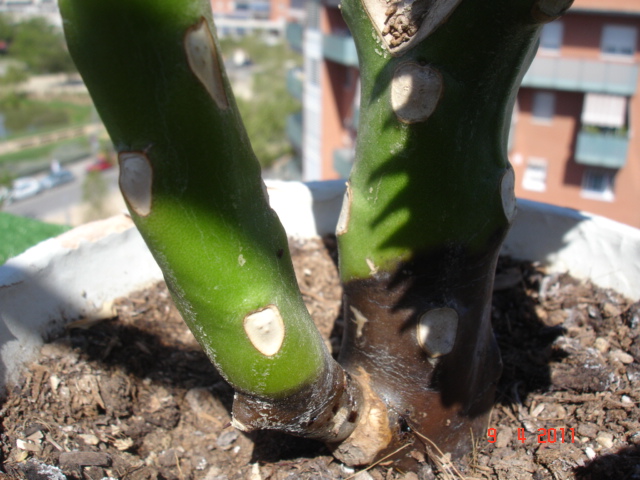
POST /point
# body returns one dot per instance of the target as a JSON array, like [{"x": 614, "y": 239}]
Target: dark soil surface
[{"x": 133, "y": 397}]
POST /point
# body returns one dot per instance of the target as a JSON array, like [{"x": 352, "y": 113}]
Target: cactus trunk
[
  {"x": 193, "y": 188},
  {"x": 428, "y": 204}
]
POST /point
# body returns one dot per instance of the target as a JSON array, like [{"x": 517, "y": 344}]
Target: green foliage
[
  {"x": 265, "y": 118},
  {"x": 94, "y": 194},
  {"x": 14, "y": 76},
  {"x": 260, "y": 50},
  {"x": 18, "y": 234},
  {"x": 24, "y": 115},
  {"x": 265, "y": 113},
  {"x": 38, "y": 44},
  {"x": 5, "y": 179},
  {"x": 64, "y": 149},
  {"x": 7, "y": 28}
]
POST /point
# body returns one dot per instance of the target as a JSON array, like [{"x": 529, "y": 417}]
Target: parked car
[
  {"x": 99, "y": 165},
  {"x": 56, "y": 178},
  {"x": 24, "y": 187}
]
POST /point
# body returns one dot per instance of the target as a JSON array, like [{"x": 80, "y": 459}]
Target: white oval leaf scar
[
  {"x": 508, "y": 195},
  {"x": 265, "y": 329},
  {"x": 204, "y": 62},
  {"x": 437, "y": 330},
  {"x": 345, "y": 213},
  {"x": 415, "y": 92},
  {"x": 136, "y": 179}
]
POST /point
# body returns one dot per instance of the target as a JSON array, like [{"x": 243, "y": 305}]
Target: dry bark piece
[
  {"x": 84, "y": 459},
  {"x": 404, "y": 23}
]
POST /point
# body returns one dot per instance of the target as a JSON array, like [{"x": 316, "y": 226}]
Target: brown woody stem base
[
  {"x": 430, "y": 397},
  {"x": 327, "y": 410}
]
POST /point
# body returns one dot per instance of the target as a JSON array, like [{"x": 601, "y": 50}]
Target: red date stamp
[{"x": 544, "y": 435}]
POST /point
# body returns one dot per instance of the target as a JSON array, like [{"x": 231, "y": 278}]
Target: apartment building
[
  {"x": 576, "y": 135},
  {"x": 325, "y": 132},
  {"x": 21, "y": 9},
  {"x": 574, "y": 139},
  {"x": 244, "y": 9},
  {"x": 238, "y": 17},
  {"x": 34, "y": 6}
]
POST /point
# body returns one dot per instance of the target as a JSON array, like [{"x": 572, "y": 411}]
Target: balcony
[
  {"x": 582, "y": 75},
  {"x": 343, "y": 161},
  {"x": 294, "y": 33},
  {"x": 294, "y": 130},
  {"x": 294, "y": 82},
  {"x": 340, "y": 49},
  {"x": 601, "y": 150}
]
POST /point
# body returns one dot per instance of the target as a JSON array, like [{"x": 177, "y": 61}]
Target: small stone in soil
[{"x": 227, "y": 438}]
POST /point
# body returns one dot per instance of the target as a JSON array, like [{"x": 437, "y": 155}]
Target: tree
[
  {"x": 264, "y": 114},
  {"x": 428, "y": 204},
  {"x": 39, "y": 45},
  {"x": 14, "y": 76}
]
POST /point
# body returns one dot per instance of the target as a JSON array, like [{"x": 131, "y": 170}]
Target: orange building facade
[
  {"x": 575, "y": 141},
  {"x": 273, "y": 10}
]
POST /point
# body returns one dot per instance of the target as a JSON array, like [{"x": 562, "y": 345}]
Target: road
[{"x": 59, "y": 203}]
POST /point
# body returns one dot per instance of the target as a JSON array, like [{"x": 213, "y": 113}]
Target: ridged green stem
[
  {"x": 417, "y": 187},
  {"x": 429, "y": 202},
  {"x": 193, "y": 186}
]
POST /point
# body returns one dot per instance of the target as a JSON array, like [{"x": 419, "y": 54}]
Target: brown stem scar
[
  {"x": 372, "y": 433},
  {"x": 401, "y": 24},
  {"x": 360, "y": 321}
]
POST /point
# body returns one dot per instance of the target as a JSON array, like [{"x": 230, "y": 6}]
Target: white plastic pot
[{"x": 81, "y": 272}]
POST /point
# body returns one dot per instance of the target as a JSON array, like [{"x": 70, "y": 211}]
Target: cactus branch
[
  {"x": 194, "y": 190},
  {"x": 428, "y": 203}
]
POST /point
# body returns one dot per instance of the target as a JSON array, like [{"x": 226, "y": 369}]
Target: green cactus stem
[
  {"x": 428, "y": 204},
  {"x": 194, "y": 190}
]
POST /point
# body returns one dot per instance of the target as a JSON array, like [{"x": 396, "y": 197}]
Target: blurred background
[{"x": 294, "y": 69}]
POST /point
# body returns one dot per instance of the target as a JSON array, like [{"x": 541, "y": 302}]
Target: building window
[
  {"x": 605, "y": 111},
  {"x": 619, "y": 40},
  {"x": 551, "y": 37},
  {"x": 597, "y": 184},
  {"x": 535, "y": 175},
  {"x": 544, "y": 106},
  {"x": 313, "y": 15},
  {"x": 314, "y": 71}
]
